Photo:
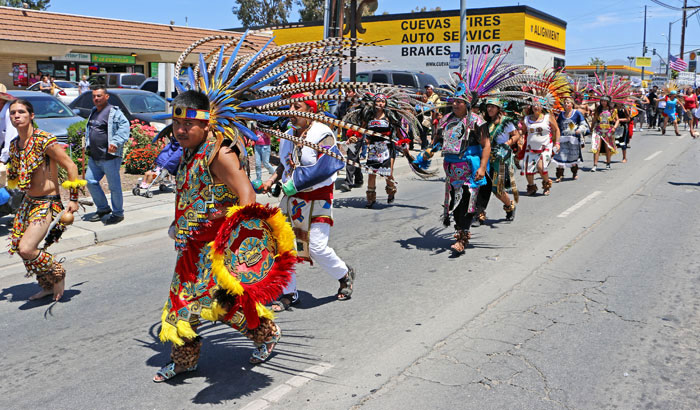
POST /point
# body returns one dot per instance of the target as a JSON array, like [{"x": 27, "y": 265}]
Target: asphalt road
[{"x": 588, "y": 300}]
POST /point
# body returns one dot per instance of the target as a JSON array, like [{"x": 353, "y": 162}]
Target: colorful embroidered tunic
[
  {"x": 502, "y": 158},
  {"x": 23, "y": 162},
  {"x": 602, "y": 134},
  {"x": 199, "y": 213}
]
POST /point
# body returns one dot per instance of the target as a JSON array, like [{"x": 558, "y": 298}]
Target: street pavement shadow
[
  {"x": 224, "y": 363},
  {"x": 684, "y": 183},
  {"x": 22, "y": 292},
  {"x": 430, "y": 240},
  {"x": 360, "y": 202},
  {"x": 308, "y": 301}
]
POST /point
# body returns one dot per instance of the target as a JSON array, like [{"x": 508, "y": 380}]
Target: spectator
[
  {"x": 107, "y": 130},
  {"x": 84, "y": 85},
  {"x": 45, "y": 85},
  {"x": 7, "y": 131},
  {"x": 32, "y": 78},
  {"x": 262, "y": 154},
  {"x": 54, "y": 87},
  {"x": 642, "y": 104},
  {"x": 651, "y": 107},
  {"x": 690, "y": 103}
]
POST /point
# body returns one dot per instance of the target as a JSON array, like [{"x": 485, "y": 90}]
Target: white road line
[
  {"x": 652, "y": 156},
  {"x": 579, "y": 204},
  {"x": 274, "y": 395}
]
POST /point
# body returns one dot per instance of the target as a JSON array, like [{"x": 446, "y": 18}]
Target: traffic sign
[{"x": 454, "y": 60}]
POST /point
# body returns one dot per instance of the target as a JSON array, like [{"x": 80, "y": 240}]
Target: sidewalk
[{"x": 142, "y": 215}]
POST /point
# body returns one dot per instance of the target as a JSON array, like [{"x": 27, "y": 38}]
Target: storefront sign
[
  {"x": 154, "y": 69},
  {"x": 77, "y": 57},
  {"x": 429, "y": 41},
  {"x": 113, "y": 59}
]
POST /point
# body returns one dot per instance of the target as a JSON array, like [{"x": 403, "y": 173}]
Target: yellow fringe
[
  {"x": 175, "y": 334},
  {"x": 263, "y": 311},
  {"x": 214, "y": 313},
  {"x": 225, "y": 279},
  {"x": 78, "y": 183},
  {"x": 283, "y": 232},
  {"x": 12, "y": 184}
]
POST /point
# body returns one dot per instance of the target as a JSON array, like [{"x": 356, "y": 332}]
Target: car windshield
[
  {"x": 362, "y": 78},
  {"x": 48, "y": 107},
  {"x": 133, "y": 79},
  {"x": 66, "y": 84},
  {"x": 143, "y": 102}
]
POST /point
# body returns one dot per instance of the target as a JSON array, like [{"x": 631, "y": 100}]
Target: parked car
[
  {"x": 69, "y": 93},
  {"x": 151, "y": 84},
  {"x": 50, "y": 114},
  {"x": 135, "y": 104},
  {"x": 415, "y": 80},
  {"x": 117, "y": 80}
]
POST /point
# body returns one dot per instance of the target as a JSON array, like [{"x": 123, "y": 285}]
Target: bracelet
[{"x": 73, "y": 188}]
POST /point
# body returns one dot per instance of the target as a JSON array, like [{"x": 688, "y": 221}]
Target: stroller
[{"x": 166, "y": 164}]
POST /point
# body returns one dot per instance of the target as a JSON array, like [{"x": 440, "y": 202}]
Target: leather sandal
[
  {"x": 285, "y": 302},
  {"x": 263, "y": 352},
  {"x": 346, "y": 285},
  {"x": 167, "y": 372}
]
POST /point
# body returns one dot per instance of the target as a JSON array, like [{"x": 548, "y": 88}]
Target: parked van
[
  {"x": 117, "y": 80},
  {"x": 412, "y": 79}
]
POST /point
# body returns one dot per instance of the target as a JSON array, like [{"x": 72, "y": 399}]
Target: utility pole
[
  {"x": 668, "y": 54},
  {"x": 462, "y": 34},
  {"x": 685, "y": 11},
  {"x": 644, "y": 41}
]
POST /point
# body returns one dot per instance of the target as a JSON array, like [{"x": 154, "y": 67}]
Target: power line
[{"x": 668, "y": 6}]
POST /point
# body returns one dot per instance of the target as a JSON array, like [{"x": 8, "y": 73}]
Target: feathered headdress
[
  {"x": 550, "y": 87},
  {"x": 671, "y": 87},
  {"x": 323, "y": 106},
  {"x": 613, "y": 90},
  {"x": 579, "y": 89},
  {"x": 234, "y": 85},
  {"x": 490, "y": 77}
]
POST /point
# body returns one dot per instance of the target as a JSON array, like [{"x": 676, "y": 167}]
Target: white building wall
[{"x": 435, "y": 58}]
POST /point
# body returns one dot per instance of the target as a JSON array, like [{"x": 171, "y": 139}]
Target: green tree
[
  {"x": 596, "y": 61},
  {"x": 311, "y": 10},
  {"x": 262, "y": 12},
  {"x": 33, "y": 4}
]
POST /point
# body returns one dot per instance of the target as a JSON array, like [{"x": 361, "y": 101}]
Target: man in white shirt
[{"x": 84, "y": 85}]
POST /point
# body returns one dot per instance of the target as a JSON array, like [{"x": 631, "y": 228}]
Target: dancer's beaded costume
[{"x": 21, "y": 168}]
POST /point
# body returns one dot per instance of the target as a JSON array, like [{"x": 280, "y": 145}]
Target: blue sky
[{"x": 609, "y": 29}]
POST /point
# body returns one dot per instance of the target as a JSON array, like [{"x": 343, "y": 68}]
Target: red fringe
[{"x": 279, "y": 276}]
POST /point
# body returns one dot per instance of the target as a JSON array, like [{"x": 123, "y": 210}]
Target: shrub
[
  {"x": 140, "y": 160},
  {"x": 140, "y": 136},
  {"x": 76, "y": 133}
]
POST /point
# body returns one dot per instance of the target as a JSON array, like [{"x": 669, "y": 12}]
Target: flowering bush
[
  {"x": 140, "y": 160},
  {"x": 140, "y": 152},
  {"x": 76, "y": 134},
  {"x": 140, "y": 135}
]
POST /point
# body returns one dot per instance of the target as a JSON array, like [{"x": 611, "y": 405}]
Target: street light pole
[
  {"x": 644, "y": 41},
  {"x": 668, "y": 54},
  {"x": 685, "y": 8}
]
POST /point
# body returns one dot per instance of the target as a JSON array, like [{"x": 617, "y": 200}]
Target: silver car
[
  {"x": 50, "y": 114},
  {"x": 69, "y": 90}
]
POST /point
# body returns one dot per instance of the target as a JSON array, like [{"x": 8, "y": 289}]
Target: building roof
[
  {"x": 69, "y": 29},
  {"x": 616, "y": 69}
]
